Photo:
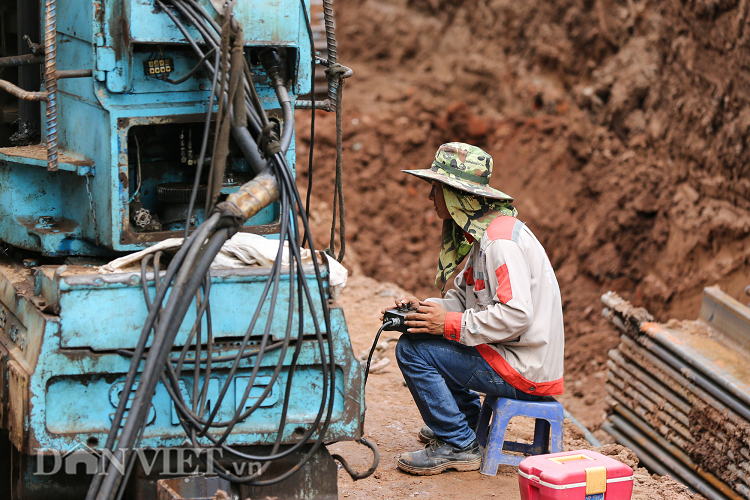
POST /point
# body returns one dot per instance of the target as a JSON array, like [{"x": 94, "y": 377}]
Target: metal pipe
[
  {"x": 644, "y": 458},
  {"x": 703, "y": 399},
  {"x": 665, "y": 424},
  {"x": 50, "y": 72},
  {"x": 689, "y": 357},
  {"x": 645, "y": 400},
  {"x": 679, "y": 414},
  {"x": 716, "y": 398},
  {"x": 646, "y": 379},
  {"x": 738, "y": 472},
  {"x": 616, "y": 398},
  {"x": 21, "y": 93},
  {"x": 701, "y": 480},
  {"x": 660, "y": 463},
  {"x": 21, "y": 60},
  {"x": 744, "y": 490},
  {"x": 74, "y": 73}
]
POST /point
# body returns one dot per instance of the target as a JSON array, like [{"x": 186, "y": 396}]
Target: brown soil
[{"x": 621, "y": 128}]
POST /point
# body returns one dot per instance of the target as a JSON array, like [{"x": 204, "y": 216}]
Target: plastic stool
[{"x": 548, "y": 432}]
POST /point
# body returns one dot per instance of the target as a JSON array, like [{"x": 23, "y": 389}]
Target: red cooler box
[{"x": 574, "y": 475}]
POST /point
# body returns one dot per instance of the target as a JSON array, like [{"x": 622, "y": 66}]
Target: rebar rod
[{"x": 50, "y": 72}]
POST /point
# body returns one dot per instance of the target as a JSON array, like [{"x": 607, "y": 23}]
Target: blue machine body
[
  {"x": 85, "y": 205},
  {"x": 64, "y": 375},
  {"x": 61, "y": 326}
]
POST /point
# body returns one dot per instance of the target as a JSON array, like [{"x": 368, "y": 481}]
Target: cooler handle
[{"x": 569, "y": 458}]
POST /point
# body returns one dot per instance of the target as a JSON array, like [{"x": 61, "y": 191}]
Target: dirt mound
[{"x": 620, "y": 127}]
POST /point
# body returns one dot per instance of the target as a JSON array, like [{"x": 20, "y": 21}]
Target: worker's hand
[
  {"x": 429, "y": 318},
  {"x": 400, "y": 302}
]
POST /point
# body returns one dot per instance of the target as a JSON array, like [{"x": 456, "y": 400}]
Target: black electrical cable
[
  {"x": 313, "y": 426},
  {"x": 374, "y": 346},
  {"x": 193, "y": 71},
  {"x": 361, "y": 475},
  {"x": 312, "y": 116},
  {"x": 186, "y": 254},
  {"x": 302, "y": 442},
  {"x": 220, "y": 359},
  {"x": 139, "y": 350},
  {"x": 202, "y": 154}
]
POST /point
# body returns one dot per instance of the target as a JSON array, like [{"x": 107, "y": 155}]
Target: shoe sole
[{"x": 460, "y": 466}]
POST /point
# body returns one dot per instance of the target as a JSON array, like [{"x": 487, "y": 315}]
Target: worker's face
[{"x": 436, "y": 195}]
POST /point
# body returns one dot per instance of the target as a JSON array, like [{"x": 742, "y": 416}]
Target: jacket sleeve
[
  {"x": 511, "y": 312},
  {"x": 455, "y": 299}
]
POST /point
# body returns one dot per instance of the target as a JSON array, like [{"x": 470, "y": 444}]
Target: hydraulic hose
[{"x": 249, "y": 148}]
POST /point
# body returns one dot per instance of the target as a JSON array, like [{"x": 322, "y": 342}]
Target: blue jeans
[{"x": 441, "y": 376}]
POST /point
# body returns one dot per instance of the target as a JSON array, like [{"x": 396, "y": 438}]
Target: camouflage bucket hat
[{"x": 463, "y": 167}]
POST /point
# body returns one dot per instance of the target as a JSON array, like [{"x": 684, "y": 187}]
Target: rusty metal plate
[{"x": 18, "y": 402}]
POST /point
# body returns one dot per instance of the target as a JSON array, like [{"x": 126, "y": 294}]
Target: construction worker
[{"x": 499, "y": 332}]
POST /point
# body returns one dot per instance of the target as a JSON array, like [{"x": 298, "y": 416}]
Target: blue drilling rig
[{"x": 141, "y": 122}]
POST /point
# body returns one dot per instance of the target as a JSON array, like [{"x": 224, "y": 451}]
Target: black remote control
[{"x": 397, "y": 317}]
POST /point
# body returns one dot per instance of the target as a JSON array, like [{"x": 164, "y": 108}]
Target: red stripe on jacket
[
  {"x": 498, "y": 363},
  {"x": 504, "y": 291},
  {"x": 501, "y": 228}
]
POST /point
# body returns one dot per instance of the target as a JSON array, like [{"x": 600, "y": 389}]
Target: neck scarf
[{"x": 471, "y": 214}]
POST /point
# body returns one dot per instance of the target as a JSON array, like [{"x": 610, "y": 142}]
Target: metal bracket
[{"x": 105, "y": 59}]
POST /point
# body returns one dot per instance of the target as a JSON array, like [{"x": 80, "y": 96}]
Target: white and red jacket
[{"x": 507, "y": 303}]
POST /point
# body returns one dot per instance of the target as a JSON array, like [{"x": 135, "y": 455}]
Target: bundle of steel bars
[{"x": 680, "y": 393}]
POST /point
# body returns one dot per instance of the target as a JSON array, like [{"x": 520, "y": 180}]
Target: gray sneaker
[
  {"x": 425, "y": 434},
  {"x": 438, "y": 456}
]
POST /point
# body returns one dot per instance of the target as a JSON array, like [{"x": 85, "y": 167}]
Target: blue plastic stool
[{"x": 548, "y": 432}]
